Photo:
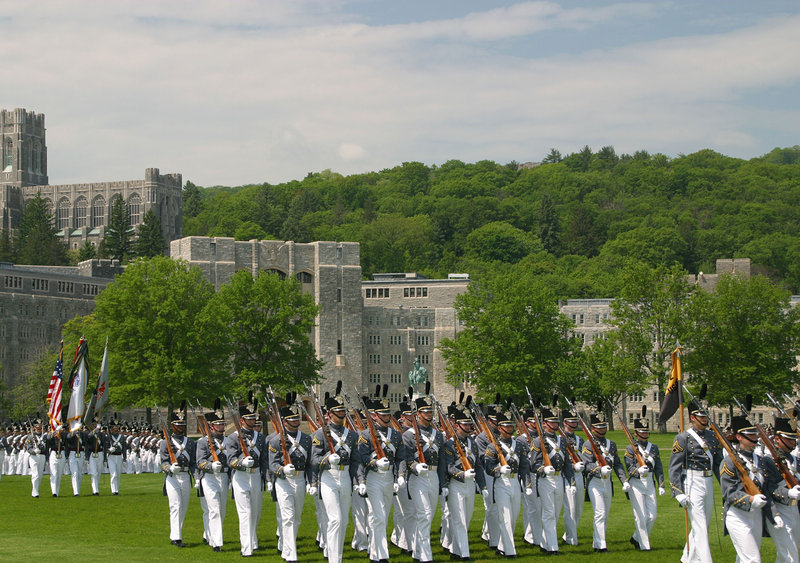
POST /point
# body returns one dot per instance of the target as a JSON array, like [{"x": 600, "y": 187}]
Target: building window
[
  {"x": 395, "y": 359},
  {"x": 415, "y": 292},
  {"x": 374, "y": 358},
  {"x": 80, "y": 212},
  {"x": 396, "y": 340},
  {"x": 13, "y": 282},
  {"x": 38, "y": 284},
  {"x": 369, "y": 293},
  {"x": 98, "y": 211},
  {"x": 90, "y": 289},
  {"x": 423, "y": 359},
  {"x": 422, "y": 321},
  {"x": 66, "y": 287},
  {"x": 134, "y": 209},
  {"x": 394, "y": 398},
  {"x": 374, "y": 338},
  {"x": 304, "y": 277},
  {"x": 423, "y": 340},
  {"x": 338, "y": 294},
  {"x": 339, "y": 347},
  {"x": 374, "y": 378},
  {"x": 396, "y": 378},
  {"x": 62, "y": 213}
]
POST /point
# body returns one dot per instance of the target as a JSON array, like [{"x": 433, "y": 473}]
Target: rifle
[
  {"x": 313, "y": 426},
  {"x": 639, "y": 459},
  {"x": 420, "y": 453},
  {"x": 598, "y": 455},
  {"x": 238, "y": 424},
  {"x": 787, "y": 473},
  {"x": 373, "y": 433},
  {"x": 749, "y": 486},
  {"x": 484, "y": 426},
  {"x": 570, "y": 449},
  {"x": 462, "y": 455},
  {"x": 796, "y": 406},
  {"x": 545, "y": 454},
  {"x": 322, "y": 422},
  {"x": 201, "y": 418},
  {"x": 280, "y": 428},
  {"x": 354, "y": 423},
  {"x": 172, "y": 459}
]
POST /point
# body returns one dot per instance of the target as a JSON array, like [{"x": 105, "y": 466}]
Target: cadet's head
[
  {"x": 599, "y": 424},
  {"x": 746, "y": 433},
  {"x": 785, "y": 435},
  {"x": 549, "y": 421}
]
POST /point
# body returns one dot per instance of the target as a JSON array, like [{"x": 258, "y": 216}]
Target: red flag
[{"x": 54, "y": 391}]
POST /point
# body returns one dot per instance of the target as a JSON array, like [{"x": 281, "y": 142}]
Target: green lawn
[{"x": 135, "y": 527}]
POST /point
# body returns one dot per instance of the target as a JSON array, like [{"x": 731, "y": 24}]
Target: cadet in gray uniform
[
  {"x": 116, "y": 448},
  {"x": 177, "y": 475},
  {"x": 213, "y": 475},
  {"x": 695, "y": 459},
  {"x": 642, "y": 485},
  {"x": 785, "y": 498},
  {"x": 57, "y": 456},
  {"x": 599, "y": 478},
  {"x": 403, "y": 506},
  {"x": 35, "y": 444},
  {"x": 573, "y": 496}
]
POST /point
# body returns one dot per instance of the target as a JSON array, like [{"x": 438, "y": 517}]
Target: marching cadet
[
  {"x": 403, "y": 505},
  {"x": 695, "y": 459},
  {"x": 358, "y": 506},
  {"x": 743, "y": 513},
  {"x": 57, "y": 456},
  {"x": 334, "y": 466},
  {"x": 573, "y": 496},
  {"x": 3, "y": 446},
  {"x": 177, "y": 474},
  {"x": 509, "y": 480},
  {"x": 461, "y": 481},
  {"x": 36, "y": 446},
  {"x": 292, "y": 480},
  {"x": 642, "y": 484},
  {"x": 94, "y": 456},
  {"x": 785, "y": 498},
  {"x": 490, "y": 532},
  {"x": 427, "y": 476},
  {"x": 382, "y": 473},
  {"x": 116, "y": 452},
  {"x": 247, "y": 456},
  {"x": 531, "y": 503},
  {"x": 75, "y": 444},
  {"x": 23, "y": 467},
  {"x": 212, "y": 472},
  {"x": 551, "y": 477},
  {"x": 599, "y": 477}
]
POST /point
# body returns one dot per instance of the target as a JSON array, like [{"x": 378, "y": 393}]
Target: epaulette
[
  {"x": 676, "y": 447},
  {"x": 315, "y": 441},
  {"x": 629, "y": 454},
  {"x": 362, "y": 440},
  {"x": 273, "y": 449},
  {"x": 534, "y": 448},
  {"x": 491, "y": 453},
  {"x": 728, "y": 470}
]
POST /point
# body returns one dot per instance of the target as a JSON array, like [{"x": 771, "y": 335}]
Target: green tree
[
  {"x": 513, "y": 336},
  {"x": 249, "y": 231},
  {"x": 547, "y": 223},
  {"x": 149, "y": 242},
  {"x": 192, "y": 201},
  {"x": 117, "y": 243},
  {"x": 264, "y": 324},
  {"x": 583, "y": 235},
  {"x": 745, "y": 338},
  {"x": 159, "y": 349},
  {"x": 37, "y": 241},
  {"x": 27, "y": 396},
  {"x": 86, "y": 252},
  {"x": 552, "y": 157},
  {"x": 7, "y": 251},
  {"x": 499, "y": 241}
]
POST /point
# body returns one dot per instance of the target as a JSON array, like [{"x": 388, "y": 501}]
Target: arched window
[
  {"x": 81, "y": 205},
  {"x": 304, "y": 277},
  {"x": 281, "y": 275},
  {"x": 98, "y": 211},
  {"x": 62, "y": 213},
  {"x": 9, "y": 153},
  {"x": 134, "y": 211}
]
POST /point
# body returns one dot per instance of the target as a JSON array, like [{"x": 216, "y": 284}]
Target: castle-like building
[{"x": 81, "y": 211}]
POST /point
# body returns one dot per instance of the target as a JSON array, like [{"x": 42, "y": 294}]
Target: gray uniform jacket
[
  {"x": 345, "y": 444},
  {"x": 391, "y": 441},
  {"x": 455, "y": 468},
  {"x": 610, "y": 455},
  {"x": 651, "y": 457},
  {"x": 687, "y": 453}
]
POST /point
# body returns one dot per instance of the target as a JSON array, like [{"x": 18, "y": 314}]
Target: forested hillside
[{"x": 575, "y": 219}]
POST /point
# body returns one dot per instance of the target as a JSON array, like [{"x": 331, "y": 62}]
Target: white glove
[
  {"x": 311, "y": 489},
  {"x": 626, "y": 487},
  {"x": 270, "y": 486},
  {"x": 505, "y": 470},
  {"x": 528, "y": 491},
  {"x": 174, "y": 468},
  {"x": 37, "y": 451},
  {"x": 395, "y": 487},
  {"x": 778, "y": 521},
  {"x": 794, "y": 492},
  {"x": 578, "y": 465},
  {"x": 334, "y": 459},
  {"x": 289, "y": 470},
  {"x": 197, "y": 484},
  {"x": 549, "y": 470},
  {"x": 643, "y": 470},
  {"x": 361, "y": 489},
  {"x": 59, "y": 428},
  {"x": 421, "y": 468},
  {"x": 248, "y": 462},
  {"x": 112, "y": 450},
  {"x": 383, "y": 464},
  {"x": 401, "y": 480},
  {"x": 605, "y": 470},
  {"x": 216, "y": 467},
  {"x": 758, "y": 502},
  {"x": 683, "y": 500},
  {"x": 661, "y": 491},
  {"x": 469, "y": 474},
  {"x": 571, "y": 489},
  {"x": 485, "y": 493},
  {"x": 445, "y": 492}
]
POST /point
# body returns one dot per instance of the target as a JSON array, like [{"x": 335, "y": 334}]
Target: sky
[{"x": 252, "y": 91}]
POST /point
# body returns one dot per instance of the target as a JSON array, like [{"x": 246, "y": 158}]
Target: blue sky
[{"x": 264, "y": 91}]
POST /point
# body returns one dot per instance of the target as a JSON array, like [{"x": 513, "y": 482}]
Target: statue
[{"x": 417, "y": 376}]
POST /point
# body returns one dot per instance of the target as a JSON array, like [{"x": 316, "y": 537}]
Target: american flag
[{"x": 54, "y": 391}]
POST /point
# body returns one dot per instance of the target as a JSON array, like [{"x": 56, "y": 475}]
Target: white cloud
[{"x": 351, "y": 151}]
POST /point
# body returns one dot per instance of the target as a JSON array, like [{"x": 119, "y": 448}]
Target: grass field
[{"x": 135, "y": 527}]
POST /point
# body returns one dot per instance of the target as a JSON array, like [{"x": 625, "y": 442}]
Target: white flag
[
  {"x": 100, "y": 393},
  {"x": 78, "y": 386}
]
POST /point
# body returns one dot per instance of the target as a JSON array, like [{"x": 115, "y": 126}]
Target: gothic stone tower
[{"x": 23, "y": 160}]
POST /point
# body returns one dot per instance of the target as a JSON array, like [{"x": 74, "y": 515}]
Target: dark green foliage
[
  {"x": 37, "y": 239},
  {"x": 117, "y": 240},
  {"x": 149, "y": 240},
  {"x": 87, "y": 252}
]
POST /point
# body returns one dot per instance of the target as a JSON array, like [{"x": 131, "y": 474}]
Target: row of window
[
  {"x": 415, "y": 292},
  {"x": 579, "y": 318},
  {"x": 32, "y": 160},
  {"x": 397, "y": 340},
  {"x": 394, "y": 378},
  {"x": 377, "y": 292},
  {"x": 396, "y": 320},
  {"x": 395, "y": 359},
  {"x": 39, "y": 284},
  {"x": 98, "y": 213}
]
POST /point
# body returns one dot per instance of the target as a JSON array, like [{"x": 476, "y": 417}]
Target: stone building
[{"x": 81, "y": 211}]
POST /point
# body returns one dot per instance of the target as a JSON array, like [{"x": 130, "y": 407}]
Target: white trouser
[
  {"x": 700, "y": 491},
  {"x": 359, "y": 508},
  {"x": 461, "y": 505},
  {"x": 215, "y": 494},
  {"x": 77, "y": 466},
  {"x": 645, "y": 508},
  {"x": 2, "y": 462},
  {"x": 322, "y": 521},
  {"x": 403, "y": 519},
  {"x": 744, "y": 528},
  {"x": 179, "y": 487},
  {"x": 600, "y": 496},
  {"x": 573, "y": 508},
  {"x": 336, "y": 492},
  {"x": 380, "y": 489},
  {"x": 532, "y": 516},
  {"x": 424, "y": 491},
  {"x": 507, "y": 498},
  {"x": 22, "y": 463},
  {"x": 36, "y": 463},
  {"x": 786, "y": 538},
  {"x": 490, "y": 530},
  {"x": 58, "y": 462},
  {"x": 445, "y": 538},
  {"x": 137, "y": 463},
  {"x": 247, "y": 494},
  {"x": 551, "y": 493},
  {"x": 114, "y": 470},
  {"x": 93, "y": 469},
  {"x": 290, "y": 493}
]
